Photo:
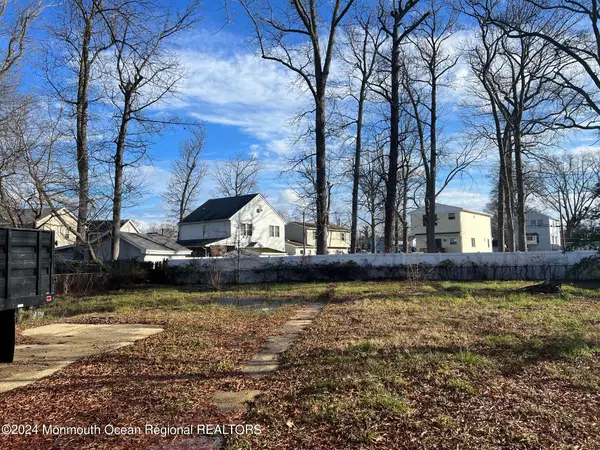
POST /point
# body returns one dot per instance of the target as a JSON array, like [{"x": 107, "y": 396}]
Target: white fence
[{"x": 464, "y": 266}]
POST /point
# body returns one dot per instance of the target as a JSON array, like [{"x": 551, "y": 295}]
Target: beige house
[
  {"x": 301, "y": 237},
  {"x": 458, "y": 230},
  {"x": 47, "y": 220}
]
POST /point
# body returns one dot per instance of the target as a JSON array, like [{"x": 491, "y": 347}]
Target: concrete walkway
[
  {"x": 267, "y": 360},
  {"x": 58, "y": 345}
]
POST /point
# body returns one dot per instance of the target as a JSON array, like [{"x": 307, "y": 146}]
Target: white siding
[
  {"x": 261, "y": 215},
  {"x": 205, "y": 230}
]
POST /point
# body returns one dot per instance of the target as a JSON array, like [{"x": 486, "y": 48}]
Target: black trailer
[{"x": 26, "y": 279}]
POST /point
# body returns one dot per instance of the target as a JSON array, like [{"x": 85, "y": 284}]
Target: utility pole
[
  {"x": 562, "y": 230},
  {"x": 304, "y": 237}
]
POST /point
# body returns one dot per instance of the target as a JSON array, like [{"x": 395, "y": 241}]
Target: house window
[
  {"x": 472, "y": 242},
  {"x": 314, "y": 235},
  {"x": 302, "y": 252},
  {"x": 246, "y": 229},
  {"x": 540, "y": 223},
  {"x": 343, "y": 236},
  {"x": 204, "y": 230},
  {"x": 67, "y": 234},
  {"x": 273, "y": 230},
  {"x": 453, "y": 241},
  {"x": 533, "y": 222},
  {"x": 451, "y": 216}
]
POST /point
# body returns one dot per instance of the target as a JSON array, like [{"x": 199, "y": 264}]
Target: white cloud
[
  {"x": 155, "y": 178},
  {"x": 241, "y": 90},
  {"x": 464, "y": 198}
]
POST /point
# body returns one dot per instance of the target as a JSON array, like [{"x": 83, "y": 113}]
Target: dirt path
[{"x": 56, "y": 346}]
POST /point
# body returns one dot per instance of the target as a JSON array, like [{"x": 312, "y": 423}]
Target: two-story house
[
  {"x": 45, "y": 219},
  {"x": 301, "y": 237},
  {"x": 221, "y": 225},
  {"x": 458, "y": 230},
  {"x": 543, "y": 232}
]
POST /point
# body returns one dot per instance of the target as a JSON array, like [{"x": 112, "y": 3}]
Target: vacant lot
[{"x": 385, "y": 365}]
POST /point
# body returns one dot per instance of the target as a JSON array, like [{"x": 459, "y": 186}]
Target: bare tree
[
  {"x": 163, "y": 229},
  {"x": 572, "y": 29},
  {"x": 78, "y": 38},
  {"x": 519, "y": 77},
  {"x": 364, "y": 40},
  {"x": 435, "y": 61},
  {"x": 569, "y": 184},
  {"x": 17, "y": 20},
  {"x": 392, "y": 21},
  {"x": 372, "y": 190},
  {"x": 145, "y": 72},
  {"x": 238, "y": 176},
  {"x": 291, "y": 34},
  {"x": 15, "y": 23},
  {"x": 187, "y": 173}
]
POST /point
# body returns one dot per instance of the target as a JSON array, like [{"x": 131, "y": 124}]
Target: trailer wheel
[{"x": 7, "y": 335}]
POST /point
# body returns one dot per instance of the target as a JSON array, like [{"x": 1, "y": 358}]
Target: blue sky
[{"x": 247, "y": 104}]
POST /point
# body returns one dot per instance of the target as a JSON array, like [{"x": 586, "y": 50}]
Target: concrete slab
[
  {"x": 58, "y": 345},
  {"x": 233, "y": 401}
]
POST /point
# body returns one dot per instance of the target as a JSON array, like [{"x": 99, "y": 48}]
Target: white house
[
  {"x": 457, "y": 230},
  {"x": 543, "y": 232},
  {"x": 221, "y": 225},
  {"x": 301, "y": 237}
]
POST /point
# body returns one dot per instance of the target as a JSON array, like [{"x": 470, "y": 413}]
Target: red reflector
[{"x": 48, "y": 298}]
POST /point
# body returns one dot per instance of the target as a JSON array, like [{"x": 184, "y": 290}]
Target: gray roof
[
  {"x": 154, "y": 242},
  {"x": 218, "y": 208},
  {"x": 25, "y": 216}
]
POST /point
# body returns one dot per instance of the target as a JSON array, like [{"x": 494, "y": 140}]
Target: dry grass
[
  {"x": 469, "y": 366},
  {"x": 385, "y": 365},
  {"x": 166, "y": 379}
]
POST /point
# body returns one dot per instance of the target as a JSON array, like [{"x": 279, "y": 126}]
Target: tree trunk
[
  {"x": 500, "y": 225},
  {"x": 373, "y": 235},
  {"x": 509, "y": 198},
  {"x": 81, "y": 126},
  {"x": 356, "y": 175},
  {"x": 522, "y": 232},
  {"x": 405, "y": 215},
  {"x": 118, "y": 189},
  {"x": 322, "y": 218},
  {"x": 392, "y": 178},
  {"x": 430, "y": 202}
]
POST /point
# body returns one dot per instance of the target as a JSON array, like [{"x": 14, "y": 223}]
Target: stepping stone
[
  {"x": 233, "y": 401},
  {"x": 267, "y": 360},
  {"x": 196, "y": 443}
]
